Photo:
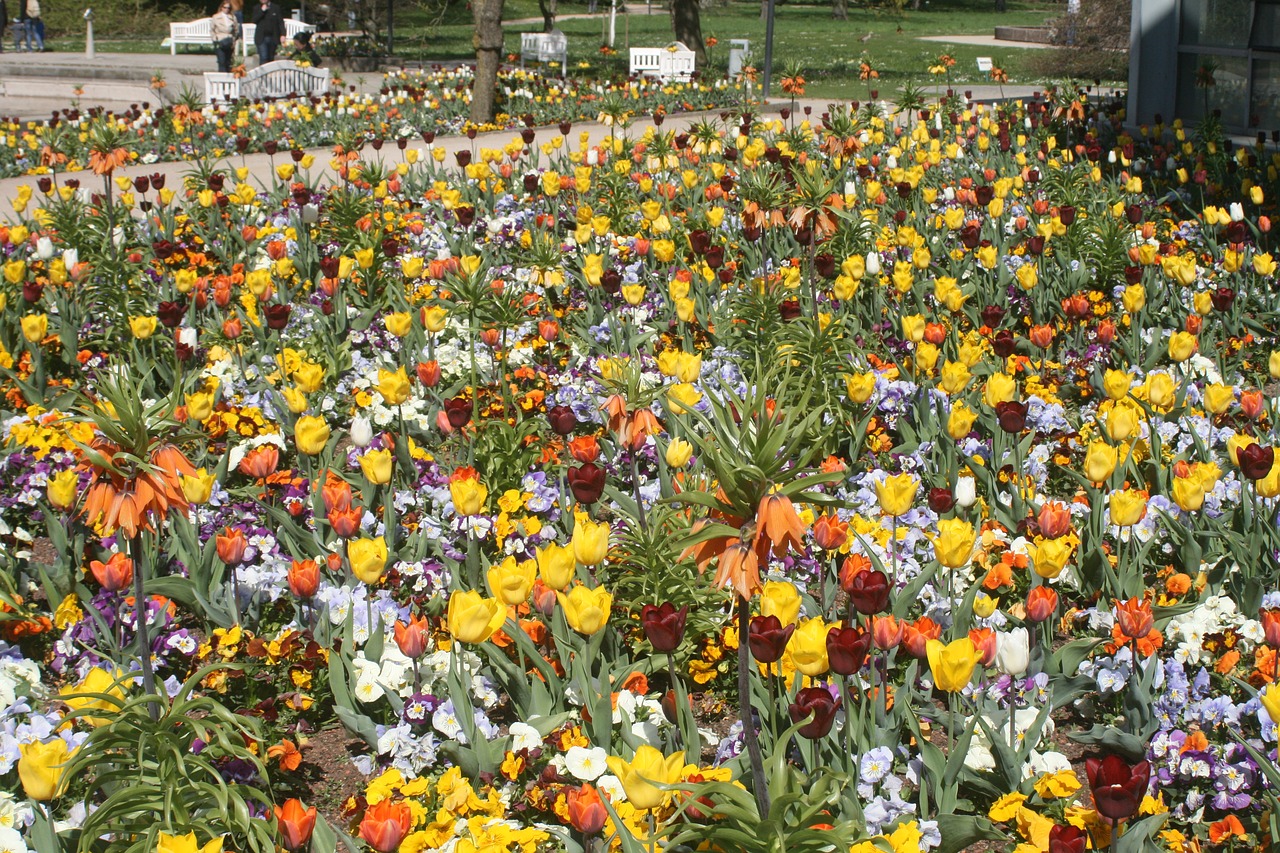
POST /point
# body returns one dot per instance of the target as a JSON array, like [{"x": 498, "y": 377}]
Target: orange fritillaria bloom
[
  {"x": 127, "y": 503},
  {"x": 106, "y": 162},
  {"x": 739, "y": 568},
  {"x": 778, "y": 525}
]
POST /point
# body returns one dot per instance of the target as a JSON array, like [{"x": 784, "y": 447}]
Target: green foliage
[{"x": 150, "y": 774}]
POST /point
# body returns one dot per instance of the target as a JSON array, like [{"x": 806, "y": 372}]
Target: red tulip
[
  {"x": 767, "y": 638},
  {"x": 1041, "y": 603},
  {"x": 412, "y": 638},
  {"x": 586, "y": 810},
  {"x": 1067, "y": 839},
  {"x": 847, "y": 649},
  {"x": 820, "y": 703},
  {"x": 115, "y": 574},
  {"x": 664, "y": 625},
  {"x": 868, "y": 589}
]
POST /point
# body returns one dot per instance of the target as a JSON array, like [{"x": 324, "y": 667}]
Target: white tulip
[
  {"x": 187, "y": 337},
  {"x": 1013, "y": 651},
  {"x": 1237, "y": 211},
  {"x": 70, "y": 257},
  {"x": 966, "y": 492},
  {"x": 873, "y": 263},
  {"x": 44, "y": 248},
  {"x": 361, "y": 431}
]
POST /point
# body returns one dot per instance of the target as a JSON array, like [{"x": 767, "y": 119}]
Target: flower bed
[{"x": 757, "y": 485}]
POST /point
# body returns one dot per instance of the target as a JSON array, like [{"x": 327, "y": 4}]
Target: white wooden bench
[
  {"x": 545, "y": 47},
  {"x": 200, "y": 32},
  {"x": 675, "y": 62},
  {"x": 278, "y": 79}
]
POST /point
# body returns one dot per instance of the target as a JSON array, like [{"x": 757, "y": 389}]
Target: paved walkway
[{"x": 988, "y": 41}]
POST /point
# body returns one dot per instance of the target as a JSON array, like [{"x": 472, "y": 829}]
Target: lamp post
[
  {"x": 768, "y": 51},
  {"x": 89, "y": 49}
]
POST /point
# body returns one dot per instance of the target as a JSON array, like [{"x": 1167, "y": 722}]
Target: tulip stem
[
  {"x": 140, "y": 616},
  {"x": 653, "y": 832},
  {"x": 675, "y": 697},
  {"x": 744, "y": 705}
]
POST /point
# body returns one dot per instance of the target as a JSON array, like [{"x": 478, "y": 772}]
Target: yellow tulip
[
  {"x": 960, "y": 421},
  {"x": 952, "y": 664},
  {"x": 511, "y": 580},
  {"x": 376, "y": 465},
  {"x": 311, "y": 434},
  {"x": 984, "y": 605},
  {"x": 1162, "y": 392},
  {"x": 860, "y": 387},
  {"x": 1000, "y": 388},
  {"x": 1134, "y": 298},
  {"x": 198, "y": 489},
  {"x": 469, "y": 495},
  {"x": 187, "y": 843},
  {"x": 1188, "y": 494},
  {"x": 1270, "y": 697},
  {"x": 1237, "y": 442},
  {"x": 926, "y": 356},
  {"x": 590, "y": 542},
  {"x": 1115, "y": 384},
  {"x": 61, "y": 489},
  {"x": 411, "y": 267},
  {"x": 1269, "y": 486},
  {"x": 1218, "y": 397},
  {"x": 40, "y": 768},
  {"x": 808, "y": 647},
  {"x": 1123, "y": 420},
  {"x": 34, "y": 327},
  {"x": 399, "y": 323},
  {"x": 394, "y": 386},
  {"x": 368, "y": 559},
  {"x": 557, "y": 565},
  {"x": 1051, "y": 556},
  {"x": 954, "y": 377},
  {"x": 199, "y": 406},
  {"x": 107, "y": 696},
  {"x": 1264, "y": 264},
  {"x": 678, "y": 453},
  {"x": 1099, "y": 461},
  {"x": 913, "y": 328},
  {"x": 294, "y": 400},
  {"x": 1182, "y": 346},
  {"x": 472, "y": 618},
  {"x": 586, "y": 610},
  {"x": 143, "y": 327},
  {"x": 642, "y": 774},
  {"x": 954, "y": 545},
  {"x": 896, "y": 493},
  {"x": 781, "y": 599},
  {"x": 1128, "y": 506},
  {"x": 434, "y": 319}
]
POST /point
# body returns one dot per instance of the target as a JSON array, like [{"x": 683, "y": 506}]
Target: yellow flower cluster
[{"x": 46, "y": 431}]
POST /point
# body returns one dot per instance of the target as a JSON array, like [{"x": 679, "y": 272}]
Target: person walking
[
  {"x": 20, "y": 27},
  {"x": 35, "y": 26},
  {"x": 269, "y": 23},
  {"x": 224, "y": 30}
]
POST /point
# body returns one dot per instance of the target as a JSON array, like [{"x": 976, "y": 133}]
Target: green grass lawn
[{"x": 828, "y": 51}]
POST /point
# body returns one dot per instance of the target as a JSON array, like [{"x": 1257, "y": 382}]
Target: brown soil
[{"x": 329, "y": 773}]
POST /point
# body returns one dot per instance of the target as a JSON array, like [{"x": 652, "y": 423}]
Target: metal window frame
[{"x": 1249, "y": 53}]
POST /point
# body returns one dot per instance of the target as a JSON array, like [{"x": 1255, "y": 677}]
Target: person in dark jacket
[
  {"x": 302, "y": 49},
  {"x": 270, "y": 29}
]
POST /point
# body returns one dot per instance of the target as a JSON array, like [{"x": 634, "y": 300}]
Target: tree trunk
[
  {"x": 764, "y": 10},
  {"x": 488, "y": 45},
  {"x": 686, "y": 21},
  {"x": 840, "y": 10},
  {"x": 548, "y": 10}
]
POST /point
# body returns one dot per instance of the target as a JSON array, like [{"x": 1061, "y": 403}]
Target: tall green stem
[{"x": 744, "y": 704}]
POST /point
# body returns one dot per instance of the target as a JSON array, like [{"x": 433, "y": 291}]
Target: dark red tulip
[
  {"x": 970, "y": 236},
  {"x": 992, "y": 315},
  {"x": 663, "y": 625},
  {"x": 767, "y": 638},
  {"x": 699, "y": 241},
  {"x": 847, "y": 649},
  {"x": 171, "y": 313},
  {"x": 586, "y": 482},
  {"x": 463, "y": 158},
  {"x": 868, "y": 589},
  {"x": 278, "y": 316},
  {"x": 1256, "y": 460},
  {"x": 458, "y": 410},
  {"x": 1012, "y": 416},
  {"x": 1003, "y": 344},
  {"x": 1067, "y": 215},
  {"x": 715, "y": 257},
  {"x": 31, "y": 291},
  {"x": 1235, "y": 232},
  {"x": 329, "y": 266},
  {"x": 1067, "y": 839},
  {"x": 1035, "y": 245},
  {"x": 984, "y": 194},
  {"x": 941, "y": 500},
  {"x": 820, "y": 703},
  {"x": 789, "y": 309},
  {"x": 1118, "y": 786},
  {"x": 1222, "y": 298},
  {"x": 824, "y": 263},
  {"x": 562, "y": 419}
]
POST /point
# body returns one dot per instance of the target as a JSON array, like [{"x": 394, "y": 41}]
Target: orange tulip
[
  {"x": 261, "y": 462},
  {"x": 1134, "y": 618},
  {"x": 585, "y": 448},
  {"x": 115, "y": 574},
  {"x": 231, "y": 546},
  {"x": 830, "y": 533},
  {"x": 385, "y": 825},
  {"x": 412, "y": 638},
  {"x": 1054, "y": 520},
  {"x": 304, "y": 578},
  {"x": 295, "y": 823},
  {"x": 586, "y": 810}
]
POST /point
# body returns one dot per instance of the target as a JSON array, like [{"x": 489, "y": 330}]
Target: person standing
[
  {"x": 269, "y": 23},
  {"x": 35, "y": 26},
  {"x": 20, "y": 27},
  {"x": 224, "y": 30}
]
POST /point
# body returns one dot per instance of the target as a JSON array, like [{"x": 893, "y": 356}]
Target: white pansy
[{"x": 585, "y": 764}]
